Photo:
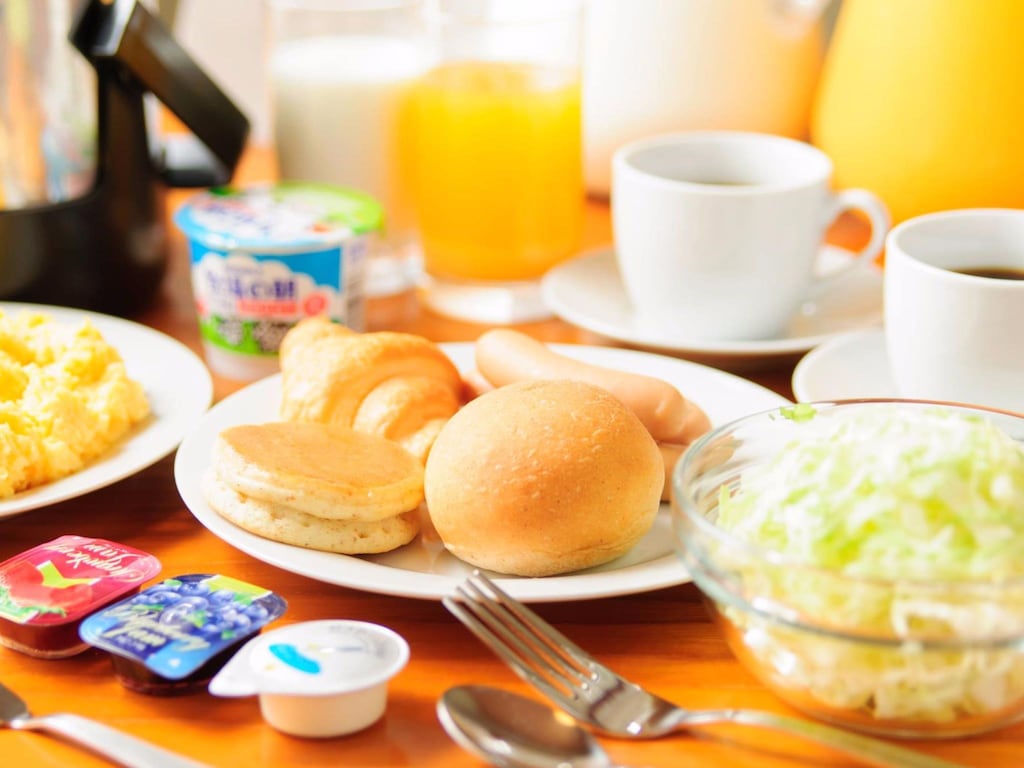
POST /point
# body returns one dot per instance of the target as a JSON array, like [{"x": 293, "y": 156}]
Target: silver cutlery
[
  {"x": 112, "y": 744},
  {"x": 512, "y": 731},
  {"x": 610, "y": 704}
]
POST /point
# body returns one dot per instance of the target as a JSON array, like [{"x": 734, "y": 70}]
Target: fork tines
[{"x": 535, "y": 650}]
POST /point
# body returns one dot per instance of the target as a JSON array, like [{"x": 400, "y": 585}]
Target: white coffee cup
[
  {"x": 950, "y": 335},
  {"x": 717, "y": 234}
]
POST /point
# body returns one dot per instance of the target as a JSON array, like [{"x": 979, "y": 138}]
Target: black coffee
[{"x": 999, "y": 273}]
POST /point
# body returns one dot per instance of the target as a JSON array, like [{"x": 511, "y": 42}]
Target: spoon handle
[{"x": 113, "y": 744}]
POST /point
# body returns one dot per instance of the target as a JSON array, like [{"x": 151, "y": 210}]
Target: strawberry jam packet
[
  {"x": 172, "y": 637},
  {"x": 46, "y": 591}
]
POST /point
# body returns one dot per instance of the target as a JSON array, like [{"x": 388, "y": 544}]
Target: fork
[{"x": 607, "y": 702}]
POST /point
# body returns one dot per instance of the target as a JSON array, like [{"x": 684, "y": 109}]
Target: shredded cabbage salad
[{"x": 912, "y": 504}]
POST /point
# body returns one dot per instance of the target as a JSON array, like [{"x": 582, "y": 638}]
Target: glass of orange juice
[{"x": 494, "y": 138}]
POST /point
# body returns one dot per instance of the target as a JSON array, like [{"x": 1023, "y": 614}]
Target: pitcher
[
  {"x": 922, "y": 101},
  {"x": 82, "y": 185},
  {"x": 661, "y": 66}
]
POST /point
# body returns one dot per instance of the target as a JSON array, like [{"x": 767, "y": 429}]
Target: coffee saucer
[
  {"x": 850, "y": 366},
  {"x": 587, "y": 291}
]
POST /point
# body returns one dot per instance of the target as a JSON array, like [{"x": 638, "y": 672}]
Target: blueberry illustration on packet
[{"x": 172, "y": 637}]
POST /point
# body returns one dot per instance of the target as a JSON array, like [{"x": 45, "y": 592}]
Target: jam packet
[
  {"x": 46, "y": 591},
  {"x": 172, "y": 637}
]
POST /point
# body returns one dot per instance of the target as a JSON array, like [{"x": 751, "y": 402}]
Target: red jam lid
[{"x": 68, "y": 578}]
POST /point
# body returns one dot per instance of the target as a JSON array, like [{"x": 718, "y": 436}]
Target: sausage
[
  {"x": 474, "y": 384},
  {"x": 671, "y": 453},
  {"x": 695, "y": 424},
  {"x": 505, "y": 356}
]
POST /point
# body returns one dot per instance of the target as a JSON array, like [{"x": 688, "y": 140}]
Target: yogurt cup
[
  {"x": 317, "y": 679},
  {"x": 266, "y": 256}
]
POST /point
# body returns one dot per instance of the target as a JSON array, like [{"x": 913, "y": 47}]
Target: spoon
[
  {"x": 112, "y": 744},
  {"x": 513, "y": 731}
]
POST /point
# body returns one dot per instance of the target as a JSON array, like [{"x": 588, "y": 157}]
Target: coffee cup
[
  {"x": 718, "y": 234},
  {"x": 954, "y": 307}
]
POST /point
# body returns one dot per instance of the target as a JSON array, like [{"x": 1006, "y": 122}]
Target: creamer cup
[{"x": 317, "y": 678}]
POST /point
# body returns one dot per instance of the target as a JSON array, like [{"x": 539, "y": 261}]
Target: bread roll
[{"x": 543, "y": 477}]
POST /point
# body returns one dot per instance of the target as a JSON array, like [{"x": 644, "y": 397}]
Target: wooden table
[{"x": 661, "y": 639}]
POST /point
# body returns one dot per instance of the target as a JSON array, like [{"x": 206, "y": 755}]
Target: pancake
[
  {"x": 289, "y": 526},
  {"x": 327, "y": 471}
]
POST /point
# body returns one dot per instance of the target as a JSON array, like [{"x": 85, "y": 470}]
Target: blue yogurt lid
[{"x": 278, "y": 217}]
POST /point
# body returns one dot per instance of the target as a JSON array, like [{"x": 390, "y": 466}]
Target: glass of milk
[{"x": 340, "y": 74}]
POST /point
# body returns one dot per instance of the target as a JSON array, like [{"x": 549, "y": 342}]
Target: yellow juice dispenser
[{"x": 922, "y": 101}]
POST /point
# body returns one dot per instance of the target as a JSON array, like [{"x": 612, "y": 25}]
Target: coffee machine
[{"x": 83, "y": 174}]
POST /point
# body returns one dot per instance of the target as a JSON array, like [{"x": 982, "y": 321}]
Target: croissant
[{"x": 397, "y": 385}]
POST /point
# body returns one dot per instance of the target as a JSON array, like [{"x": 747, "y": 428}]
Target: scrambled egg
[{"x": 65, "y": 398}]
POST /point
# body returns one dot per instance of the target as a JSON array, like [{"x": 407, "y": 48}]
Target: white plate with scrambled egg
[
  {"x": 86, "y": 400},
  {"x": 422, "y": 569}
]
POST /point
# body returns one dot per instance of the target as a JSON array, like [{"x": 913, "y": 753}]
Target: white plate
[
  {"x": 424, "y": 571},
  {"x": 848, "y": 367},
  {"x": 588, "y": 292},
  {"x": 177, "y": 384}
]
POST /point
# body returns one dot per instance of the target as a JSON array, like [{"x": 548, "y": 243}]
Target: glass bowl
[{"x": 928, "y": 656}]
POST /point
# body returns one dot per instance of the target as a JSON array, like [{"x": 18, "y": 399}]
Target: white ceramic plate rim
[
  {"x": 177, "y": 384},
  {"x": 559, "y": 281},
  {"x": 652, "y": 564}
]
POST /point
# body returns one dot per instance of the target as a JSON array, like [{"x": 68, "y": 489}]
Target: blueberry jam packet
[{"x": 175, "y": 627}]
